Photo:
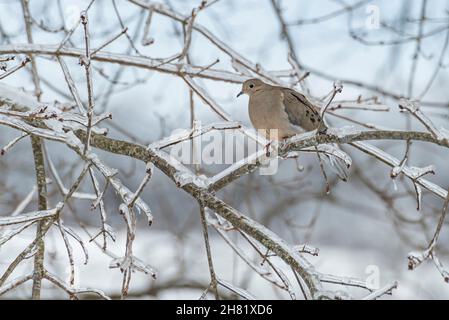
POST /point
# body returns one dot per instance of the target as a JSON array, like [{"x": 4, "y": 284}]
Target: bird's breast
[
  {"x": 268, "y": 114},
  {"x": 261, "y": 113}
]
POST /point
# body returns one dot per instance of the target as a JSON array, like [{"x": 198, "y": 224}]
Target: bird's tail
[{"x": 338, "y": 160}]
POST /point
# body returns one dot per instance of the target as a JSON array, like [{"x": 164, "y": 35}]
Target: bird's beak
[{"x": 240, "y": 93}]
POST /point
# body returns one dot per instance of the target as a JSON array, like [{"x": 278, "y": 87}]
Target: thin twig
[
  {"x": 213, "y": 278},
  {"x": 22, "y": 64}
]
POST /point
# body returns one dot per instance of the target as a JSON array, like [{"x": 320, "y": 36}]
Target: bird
[{"x": 287, "y": 111}]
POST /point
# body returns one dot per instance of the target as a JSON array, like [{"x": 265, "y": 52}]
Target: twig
[
  {"x": 416, "y": 258},
  {"x": 336, "y": 89},
  {"x": 14, "y": 283},
  {"x": 36, "y": 144},
  {"x": 239, "y": 291},
  {"x": 108, "y": 42},
  {"x": 413, "y": 108},
  {"x": 10, "y": 144},
  {"x": 71, "y": 84},
  {"x": 213, "y": 278},
  {"x": 145, "y": 39},
  {"x": 26, "y": 217},
  {"x": 86, "y": 62},
  {"x": 326, "y": 180},
  {"x": 148, "y": 174},
  {"x": 14, "y": 69},
  {"x": 72, "y": 292},
  {"x": 378, "y": 293}
]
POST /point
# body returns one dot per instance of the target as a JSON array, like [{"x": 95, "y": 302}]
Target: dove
[{"x": 287, "y": 111}]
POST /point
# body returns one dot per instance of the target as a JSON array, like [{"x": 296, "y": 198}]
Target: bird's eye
[{"x": 251, "y": 86}]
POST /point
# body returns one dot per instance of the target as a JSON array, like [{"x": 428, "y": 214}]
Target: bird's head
[{"x": 251, "y": 86}]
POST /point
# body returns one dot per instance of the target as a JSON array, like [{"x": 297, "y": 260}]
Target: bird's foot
[
  {"x": 322, "y": 129},
  {"x": 267, "y": 149}
]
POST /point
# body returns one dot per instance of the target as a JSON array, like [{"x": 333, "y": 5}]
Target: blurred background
[{"x": 379, "y": 50}]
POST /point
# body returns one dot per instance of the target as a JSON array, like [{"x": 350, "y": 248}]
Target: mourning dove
[{"x": 287, "y": 111}]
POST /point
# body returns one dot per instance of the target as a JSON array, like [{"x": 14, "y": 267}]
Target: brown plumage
[
  {"x": 272, "y": 107},
  {"x": 287, "y": 111}
]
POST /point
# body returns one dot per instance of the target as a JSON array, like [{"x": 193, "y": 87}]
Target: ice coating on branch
[
  {"x": 178, "y": 134},
  {"x": 397, "y": 170},
  {"x": 411, "y": 106},
  {"x": 302, "y": 136},
  {"x": 73, "y": 141},
  {"x": 183, "y": 175},
  {"x": 26, "y": 217},
  {"x": 133, "y": 263},
  {"x": 124, "y": 210},
  {"x": 241, "y": 292},
  {"x": 418, "y": 196},
  {"x": 445, "y": 133},
  {"x": 388, "y": 158},
  {"x": 417, "y": 172},
  {"x": 359, "y": 105},
  {"x": 226, "y": 125},
  {"x": 15, "y": 97},
  {"x": 108, "y": 172},
  {"x": 110, "y": 231},
  {"x": 183, "y": 178},
  {"x": 415, "y": 258},
  {"x": 343, "y": 131},
  {"x": 237, "y": 66},
  {"x": 336, "y": 152},
  {"x": 55, "y": 125},
  {"x": 307, "y": 249}
]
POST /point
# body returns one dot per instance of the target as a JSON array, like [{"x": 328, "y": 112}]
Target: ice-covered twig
[
  {"x": 108, "y": 42},
  {"x": 338, "y": 87},
  {"x": 135, "y": 264},
  {"x": 105, "y": 229},
  {"x": 213, "y": 277},
  {"x": 71, "y": 84},
  {"x": 87, "y": 63},
  {"x": 206, "y": 98},
  {"x": 238, "y": 291},
  {"x": 347, "y": 281},
  {"x": 416, "y": 258},
  {"x": 22, "y": 64},
  {"x": 441, "y": 269},
  {"x": 148, "y": 174},
  {"x": 10, "y": 144},
  {"x": 31, "y": 216},
  {"x": 72, "y": 29},
  {"x": 305, "y": 248},
  {"x": 7, "y": 58},
  {"x": 15, "y": 283},
  {"x": 362, "y": 105},
  {"x": 60, "y": 184},
  {"x": 69, "y": 250},
  {"x": 146, "y": 40},
  {"x": 394, "y": 162},
  {"x": 8, "y": 236},
  {"x": 75, "y": 236},
  {"x": 264, "y": 272},
  {"x": 190, "y": 134},
  {"x": 382, "y": 291},
  {"x": 413, "y": 108},
  {"x": 298, "y": 73},
  {"x": 73, "y": 291}
]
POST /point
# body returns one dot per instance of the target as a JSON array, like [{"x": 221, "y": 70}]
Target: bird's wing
[
  {"x": 304, "y": 114},
  {"x": 299, "y": 110}
]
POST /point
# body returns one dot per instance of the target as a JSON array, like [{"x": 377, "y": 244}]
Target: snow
[{"x": 161, "y": 249}]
